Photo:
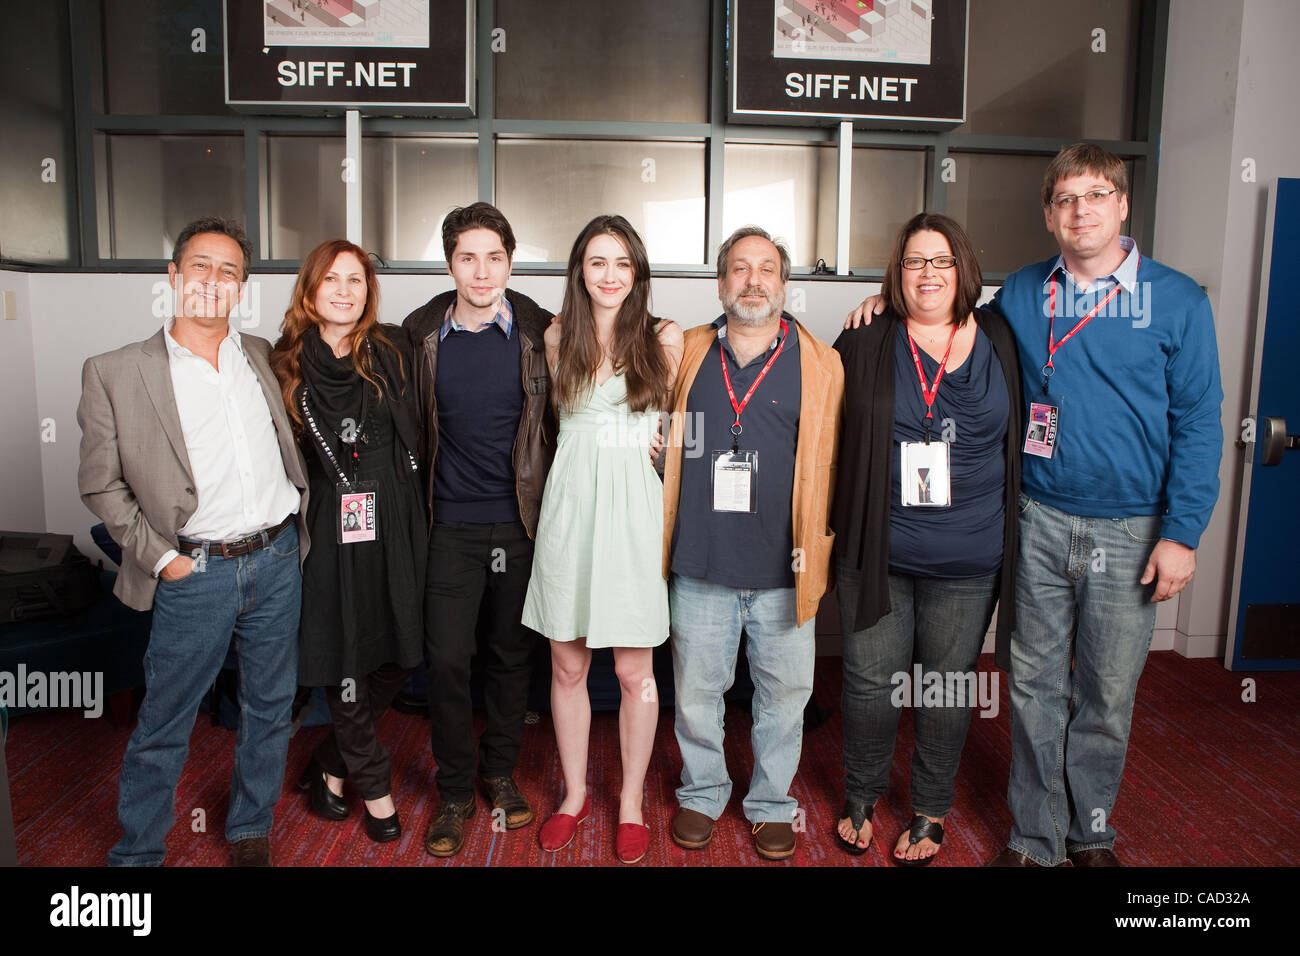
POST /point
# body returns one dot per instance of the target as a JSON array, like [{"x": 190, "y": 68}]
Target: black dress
[{"x": 362, "y": 603}]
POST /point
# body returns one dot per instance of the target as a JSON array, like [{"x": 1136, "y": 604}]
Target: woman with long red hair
[
  {"x": 597, "y": 578},
  {"x": 346, "y": 382}
]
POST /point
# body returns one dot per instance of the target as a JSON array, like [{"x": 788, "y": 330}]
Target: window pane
[
  {"x": 789, "y": 191},
  {"x": 150, "y": 65},
  {"x": 305, "y": 198},
  {"x": 888, "y": 190},
  {"x": 37, "y": 166},
  {"x": 409, "y": 186},
  {"x": 1032, "y": 70},
  {"x": 594, "y": 60},
  {"x": 550, "y": 189},
  {"x": 997, "y": 199},
  {"x": 152, "y": 186}
]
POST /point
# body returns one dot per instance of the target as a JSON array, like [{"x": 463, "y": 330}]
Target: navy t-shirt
[
  {"x": 741, "y": 550},
  {"x": 964, "y": 540}
]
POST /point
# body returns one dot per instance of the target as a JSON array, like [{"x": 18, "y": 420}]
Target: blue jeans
[
  {"x": 706, "y": 623},
  {"x": 1077, "y": 599},
  {"x": 256, "y": 598},
  {"x": 939, "y": 623}
]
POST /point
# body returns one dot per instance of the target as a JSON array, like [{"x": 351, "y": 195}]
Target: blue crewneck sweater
[{"x": 1138, "y": 391}]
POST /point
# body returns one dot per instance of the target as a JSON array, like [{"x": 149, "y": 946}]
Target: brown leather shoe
[
  {"x": 692, "y": 830},
  {"x": 1097, "y": 856},
  {"x": 774, "y": 841},
  {"x": 255, "y": 851},
  {"x": 447, "y": 831},
  {"x": 1011, "y": 858},
  {"x": 502, "y": 793}
]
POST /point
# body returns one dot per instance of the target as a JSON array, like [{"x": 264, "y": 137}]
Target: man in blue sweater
[
  {"x": 1119, "y": 479},
  {"x": 1120, "y": 372}
]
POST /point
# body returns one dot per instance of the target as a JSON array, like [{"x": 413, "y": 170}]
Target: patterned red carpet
[{"x": 1210, "y": 780}]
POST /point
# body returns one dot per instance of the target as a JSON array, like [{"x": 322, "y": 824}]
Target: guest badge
[
  {"x": 357, "y": 512},
  {"x": 1041, "y": 430}
]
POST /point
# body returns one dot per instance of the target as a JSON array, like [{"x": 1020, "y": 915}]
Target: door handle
[{"x": 1275, "y": 442}]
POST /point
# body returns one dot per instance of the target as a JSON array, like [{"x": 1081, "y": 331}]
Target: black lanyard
[{"x": 355, "y": 455}]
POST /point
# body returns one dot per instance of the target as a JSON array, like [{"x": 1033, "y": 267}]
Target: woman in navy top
[{"x": 924, "y": 518}]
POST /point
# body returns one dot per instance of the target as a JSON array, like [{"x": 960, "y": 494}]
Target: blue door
[{"x": 1265, "y": 614}]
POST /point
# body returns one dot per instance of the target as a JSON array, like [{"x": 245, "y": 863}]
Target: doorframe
[{"x": 1248, "y": 466}]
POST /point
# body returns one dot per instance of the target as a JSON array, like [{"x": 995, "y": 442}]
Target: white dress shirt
[{"x": 239, "y": 477}]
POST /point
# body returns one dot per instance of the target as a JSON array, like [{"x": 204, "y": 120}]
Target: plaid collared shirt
[{"x": 505, "y": 319}]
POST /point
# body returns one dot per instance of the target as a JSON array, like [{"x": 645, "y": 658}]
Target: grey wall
[
  {"x": 84, "y": 314},
  {"x": 1230, "y": 83},
  {"x": 22, "y": 501},
  {"x": 79, "y": 315}
]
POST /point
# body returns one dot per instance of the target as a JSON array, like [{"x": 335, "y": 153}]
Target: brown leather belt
[{"x": 238, "y": 547}]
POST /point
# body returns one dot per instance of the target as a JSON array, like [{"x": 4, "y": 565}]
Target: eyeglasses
[
  {"x": 939, "y": 262},
  {"x": 1093, "y": 196}
]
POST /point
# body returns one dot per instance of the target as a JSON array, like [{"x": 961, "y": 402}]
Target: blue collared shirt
[
  {"x": 505, "y": 319},
  {"x": 1126, "y": 275}
]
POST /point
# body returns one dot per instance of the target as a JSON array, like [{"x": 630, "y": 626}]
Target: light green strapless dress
[{"x": 597, "y": 560}]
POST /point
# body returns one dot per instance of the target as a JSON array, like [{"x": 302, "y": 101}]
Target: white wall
[
  {"x": 21, "y": 497},
  {"x": 1230, "y": 83},
  {"x": 79, "y": 315}
]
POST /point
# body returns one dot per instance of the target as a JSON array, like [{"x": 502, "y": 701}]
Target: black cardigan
[{"x": 863, "y": 487}]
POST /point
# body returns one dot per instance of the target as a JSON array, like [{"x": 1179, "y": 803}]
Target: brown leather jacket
[{"x": 535, "y": 440}]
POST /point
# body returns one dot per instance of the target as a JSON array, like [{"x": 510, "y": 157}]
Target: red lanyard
[
  {"x": 1052, "y": 344},
  {"x": 739, "y": 407},
  {"x": 928, "y": 392}
]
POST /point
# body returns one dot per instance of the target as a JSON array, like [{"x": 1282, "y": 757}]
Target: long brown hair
[
  {"x": 637, "y": 352},
  {"x": 302, "y": 316},
  {"x": 968, "y": 286}
]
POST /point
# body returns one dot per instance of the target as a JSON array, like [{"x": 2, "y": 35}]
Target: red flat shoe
[
  {"x": 632, "y": 842},
  {"x": 557, "y": 832}
]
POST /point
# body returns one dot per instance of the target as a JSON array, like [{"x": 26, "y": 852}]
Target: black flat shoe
[
  {"x": 324, "y": 801},
  {"x": 385, "y": 830},
  {"x": 858, "y": 813}
]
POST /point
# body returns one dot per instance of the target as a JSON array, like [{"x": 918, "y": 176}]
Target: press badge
[
  {"x": 1041, "y": 430},
  {"x": 735, "y": 487},
  {"x": 924, "y": 476},
  {"x": 357, "y": 514}
]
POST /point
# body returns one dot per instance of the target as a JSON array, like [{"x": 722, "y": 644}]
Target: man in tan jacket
[{"x": 746, "y": 542}]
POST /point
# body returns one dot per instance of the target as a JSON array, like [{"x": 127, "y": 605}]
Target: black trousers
[
  {"x": 352, "y": 748},
  {"x": 467, "y": 561}
]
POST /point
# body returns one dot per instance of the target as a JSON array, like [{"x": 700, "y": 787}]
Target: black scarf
[{"x": 335, "y": 390}]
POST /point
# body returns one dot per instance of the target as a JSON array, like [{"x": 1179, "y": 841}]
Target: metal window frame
[{"x": 85, "y": 45}]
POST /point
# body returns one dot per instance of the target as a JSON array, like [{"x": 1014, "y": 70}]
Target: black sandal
[
  {"x": 857, "y": 811},
  {"x": 921, "y": 829}
]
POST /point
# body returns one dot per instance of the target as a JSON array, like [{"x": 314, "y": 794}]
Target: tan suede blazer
[{"x": 821, "y": 396}]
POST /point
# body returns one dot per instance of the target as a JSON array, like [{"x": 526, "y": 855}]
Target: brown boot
[
  {"x": 255, "y": 851},
  {"x": 774, "y": 841},
  {"x": 502, "y": 793},
  {"x": 447, "y": 831},
  {"x": 692, "y": 830}
]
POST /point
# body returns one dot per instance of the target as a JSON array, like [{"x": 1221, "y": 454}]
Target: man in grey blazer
[{"x": 188, "y": 457}]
